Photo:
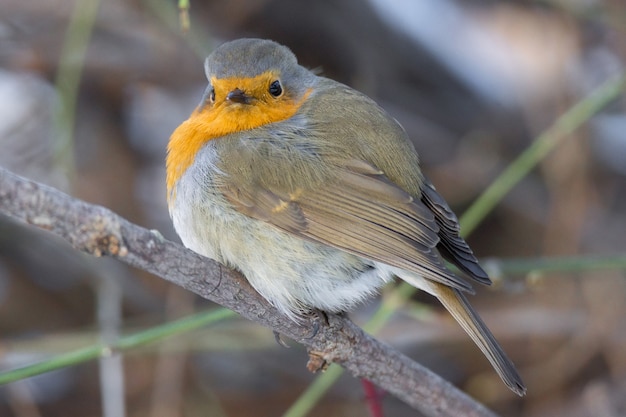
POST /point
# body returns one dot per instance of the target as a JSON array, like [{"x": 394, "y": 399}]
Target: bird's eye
[
  {"x": 276, "y": 89},
  {"x": 208, "y": 97}
]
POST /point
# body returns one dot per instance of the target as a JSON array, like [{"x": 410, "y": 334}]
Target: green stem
[
  {"x": 396, "y": 298},
  {"x": 183, "y": 15},
  {"x": 68, "y": 77},
  {"x": 314, "y": 392},
  {"x": 546, "y": 142},
  {"x": 124, "y": 343},
  {"x": 556, "y": 264},
  {"x": 197, "y": 37}
]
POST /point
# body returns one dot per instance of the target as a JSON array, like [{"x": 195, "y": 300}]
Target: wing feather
[
  {"x": 360, "y": 212},
  {"x": 452, "y": 246}
]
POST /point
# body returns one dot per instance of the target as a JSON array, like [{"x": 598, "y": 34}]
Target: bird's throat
[{"x": 206, "y": 124}]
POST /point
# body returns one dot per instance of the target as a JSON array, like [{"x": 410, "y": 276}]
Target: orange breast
[{"x": 221, "y": 119}]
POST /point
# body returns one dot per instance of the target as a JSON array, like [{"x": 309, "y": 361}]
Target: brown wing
[
  {"x": 361, "y": 212},
  {"x": 451, "y": 245}
]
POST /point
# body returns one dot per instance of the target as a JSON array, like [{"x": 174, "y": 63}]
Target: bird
[{"x": 314, "y": 192}]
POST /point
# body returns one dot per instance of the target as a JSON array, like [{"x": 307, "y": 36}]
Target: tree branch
[{"x": 99, "y": 231}]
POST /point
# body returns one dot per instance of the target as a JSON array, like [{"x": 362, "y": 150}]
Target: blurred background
[{"x": 474, "y": 83}]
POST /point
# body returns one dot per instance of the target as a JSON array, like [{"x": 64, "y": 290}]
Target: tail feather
[{"x": 456, "y": 303}]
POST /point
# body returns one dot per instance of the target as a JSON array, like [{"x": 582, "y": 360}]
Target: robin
[{"x": 314, "y": 193}]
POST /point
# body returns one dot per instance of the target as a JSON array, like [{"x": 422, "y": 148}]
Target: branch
[{"x": 100, "y": 232}]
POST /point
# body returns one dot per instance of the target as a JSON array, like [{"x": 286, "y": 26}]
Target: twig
[
  {"x": 109, "y": 295},
  {"x": 98, "y": 231}
]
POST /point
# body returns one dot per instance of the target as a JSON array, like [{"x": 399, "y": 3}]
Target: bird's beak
[{"x": 238, "y": 96}]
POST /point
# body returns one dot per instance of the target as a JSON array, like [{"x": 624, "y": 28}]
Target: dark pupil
[
  {"x": 212, "y": 95},
  {"x": 276, "y": 89}
]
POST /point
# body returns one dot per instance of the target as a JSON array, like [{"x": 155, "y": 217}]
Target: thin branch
[{"x": 98, "y": 231}]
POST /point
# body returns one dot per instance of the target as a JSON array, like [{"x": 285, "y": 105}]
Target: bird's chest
[{"x": 201, "y": 216}]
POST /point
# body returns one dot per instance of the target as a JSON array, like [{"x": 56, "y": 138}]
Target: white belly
[{"x": 293, "y": 274}]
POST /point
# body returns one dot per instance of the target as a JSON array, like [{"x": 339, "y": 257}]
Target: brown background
[{"x": 473, "y": 83}]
